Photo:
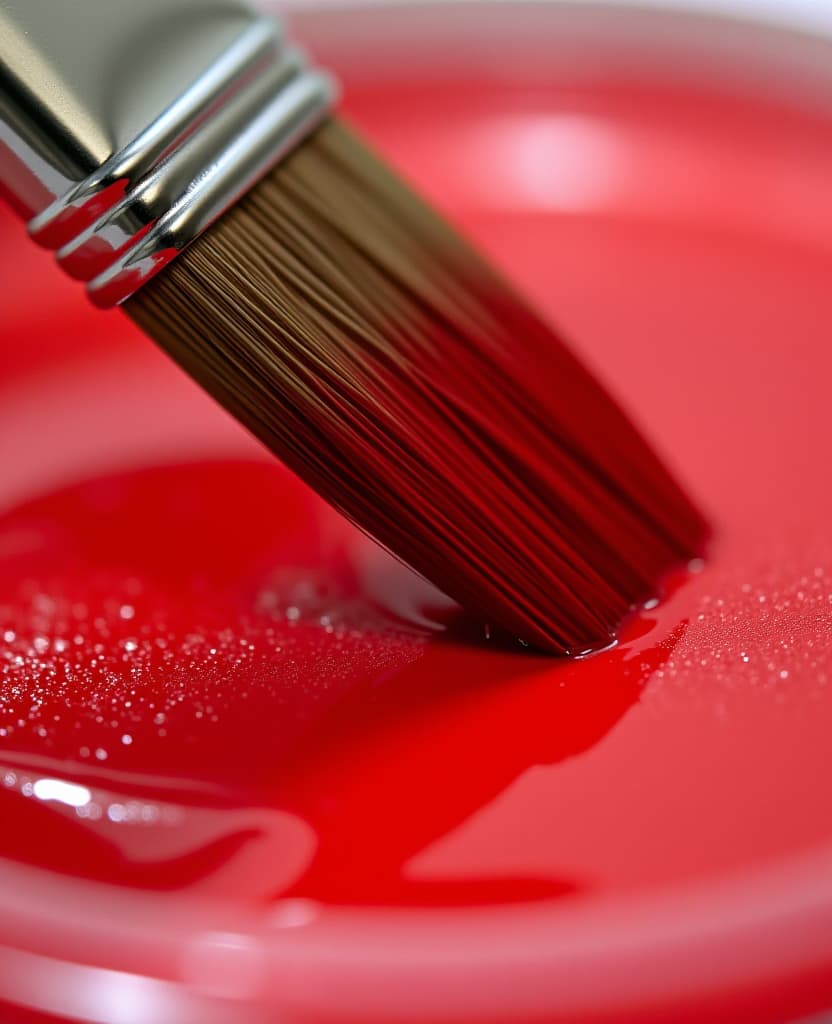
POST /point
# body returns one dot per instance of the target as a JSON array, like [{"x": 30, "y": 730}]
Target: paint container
[{"x": 251, "y": 769}]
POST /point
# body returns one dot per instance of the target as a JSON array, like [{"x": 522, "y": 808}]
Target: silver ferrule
[{"x": 128, "y": 126}]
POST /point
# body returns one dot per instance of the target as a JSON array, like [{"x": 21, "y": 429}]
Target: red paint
[{"x": 651, "y": 826}]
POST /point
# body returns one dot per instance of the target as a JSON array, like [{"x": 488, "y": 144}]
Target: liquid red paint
[{"x": 267, "y": 711}]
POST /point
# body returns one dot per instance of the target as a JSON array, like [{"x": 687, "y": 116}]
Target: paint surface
[{"x": 210, "y": 684}]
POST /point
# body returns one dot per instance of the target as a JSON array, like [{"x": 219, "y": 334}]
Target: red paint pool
[{"x": 245, "y": 754}]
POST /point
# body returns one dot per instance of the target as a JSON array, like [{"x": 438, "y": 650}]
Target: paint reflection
[
  {"x": 398, "y": 768},
  {"x": 300, "y": 722}
]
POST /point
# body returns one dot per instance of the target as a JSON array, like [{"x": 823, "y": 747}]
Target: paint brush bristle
[{"x": 352, "y": 331}]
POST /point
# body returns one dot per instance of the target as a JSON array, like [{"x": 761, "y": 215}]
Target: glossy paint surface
[{"x": 212, "y": 687}]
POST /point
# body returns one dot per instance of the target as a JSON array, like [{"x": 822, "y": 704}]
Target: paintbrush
[{"x": 182, "y": 160}]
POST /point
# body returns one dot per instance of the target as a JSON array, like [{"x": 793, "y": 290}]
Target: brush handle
[{"x": 127, "y": 128}]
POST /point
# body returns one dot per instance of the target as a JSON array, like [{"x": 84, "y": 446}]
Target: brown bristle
[{"x": 353, "y": 332}]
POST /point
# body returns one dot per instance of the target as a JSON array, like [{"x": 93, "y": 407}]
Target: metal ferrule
[{"x": 127, "y": 128}]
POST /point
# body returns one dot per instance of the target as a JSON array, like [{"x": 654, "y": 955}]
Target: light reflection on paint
[
  {"x": 561, "y": 162},
  {"x": 62, "y": 792}
]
